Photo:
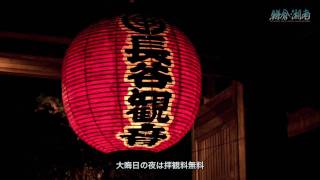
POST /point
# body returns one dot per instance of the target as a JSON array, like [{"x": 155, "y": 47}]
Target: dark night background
[{"x": 276, "y": 62}]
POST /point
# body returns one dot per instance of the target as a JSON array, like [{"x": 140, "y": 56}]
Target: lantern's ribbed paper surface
[{"x": 131, "y": 83}]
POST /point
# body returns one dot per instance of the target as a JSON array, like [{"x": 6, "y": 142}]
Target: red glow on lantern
[{"x": 96, "y": 87}]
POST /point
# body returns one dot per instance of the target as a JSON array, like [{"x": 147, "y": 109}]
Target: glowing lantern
[{"x": 131, "y": 83}]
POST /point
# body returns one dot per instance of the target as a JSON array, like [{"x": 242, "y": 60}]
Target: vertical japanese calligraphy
[
  {"x": 149, "y": 72},
  {"x": 131, "y": 83}
]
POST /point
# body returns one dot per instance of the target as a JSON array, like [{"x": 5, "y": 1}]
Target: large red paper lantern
[{"x": 131, "y": 83}]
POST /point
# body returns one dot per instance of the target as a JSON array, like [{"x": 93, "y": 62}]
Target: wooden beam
[
  {"x": 303, "y": 120},
  {"x": 34, "y": 66},
  {"x": 35, "y": 37},
  {"x": 241, "y": 130}
]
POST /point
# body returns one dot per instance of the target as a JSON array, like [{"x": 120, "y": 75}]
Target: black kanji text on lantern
[
  {"x": 147, "y": 134},
  {"x": 149, "y": 105},
  {"x": 145, "y": 48},
  {"x": 150, "y": 73}
]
